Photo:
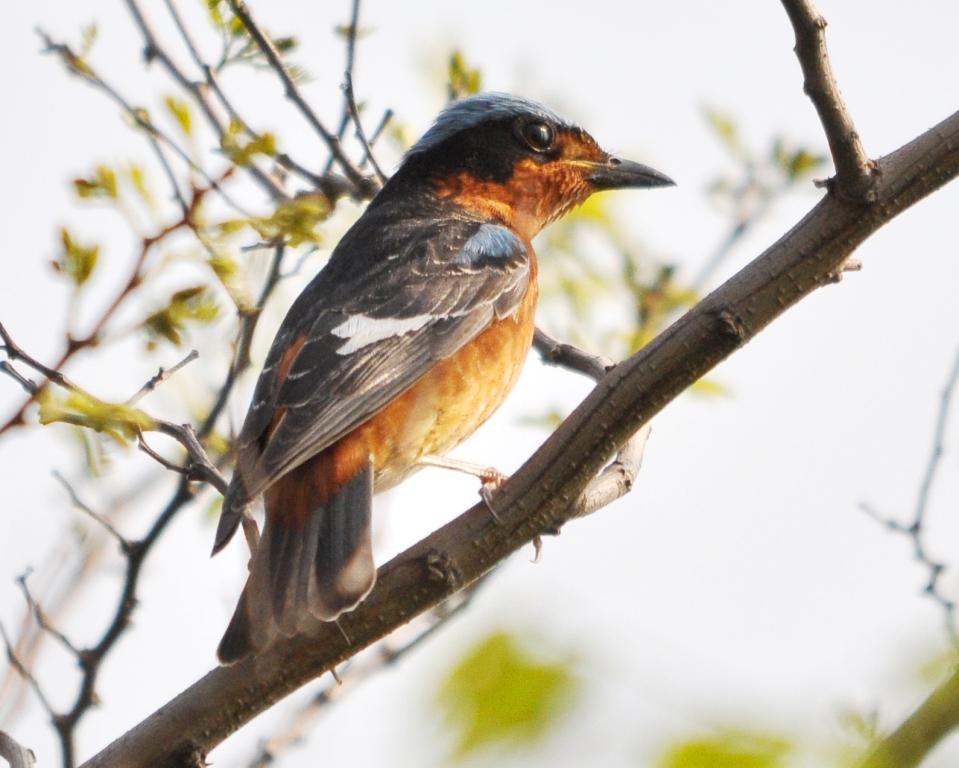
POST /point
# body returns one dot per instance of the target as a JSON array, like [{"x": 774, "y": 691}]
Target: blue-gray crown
[{"x": 473, "y": 110}]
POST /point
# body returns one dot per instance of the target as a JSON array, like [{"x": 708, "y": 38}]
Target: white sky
[{"x": 739, "y": 584}]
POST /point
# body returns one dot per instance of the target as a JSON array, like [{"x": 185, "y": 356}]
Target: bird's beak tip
[{"x": 616, "y": 173}]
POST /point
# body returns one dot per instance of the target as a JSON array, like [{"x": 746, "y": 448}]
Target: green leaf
[
  {"x": 709, "y": 388},
  {"x": 231, "y": 278},
  {"x": 121, "y": 422},
  {"x": 242, "y": 153},
  {"x": 802, "y": 163},
  {"x": 733, "y": 749},
  {"x": 191, "y": 304},
  {"x": 77, "y": 261},
  {"x": 181, "y": 113},
  {"x": 295, "y": 220},
  {"x": 463, "y": 81},
  {"x": 102, "y": 184},
  {"x": 138, "y": 179},
  {"x": 500, "y": 693}
]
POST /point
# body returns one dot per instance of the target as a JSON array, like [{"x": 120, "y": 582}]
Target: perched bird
[{"x": 403, "y": 344}]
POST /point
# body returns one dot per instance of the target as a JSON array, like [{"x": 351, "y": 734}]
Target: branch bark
[
  {"x": 542, "y": 495},
  {"x": 919, "y": 734},
  {"x": 17, "y": 755},
  {"x": 856, "y": 175}
]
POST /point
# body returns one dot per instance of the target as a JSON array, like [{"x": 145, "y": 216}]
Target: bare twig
[
  {"x": 42, "y": 621},
  {"x": 384, "y": 121},
  {"x": 162, "y": 375},
  {"x": 617, "y": 478},
  {"x": 352, "y": 30},
  {"x": 360, "y": 134},
  {"x": 14, "y": 352},
  {"x": 24, "y": 672},
  {"x": 365, "y": 186},
  {"x": 915, "y": 529},
  {"x": 199, "y": 466},
  {"x": 856, "y": 179},
  {"x": 91, "y": 513},
  {"x": 15, "y": 753},
  {"x": 565, "y": 355},
  {"x": 29, "y": 385}
]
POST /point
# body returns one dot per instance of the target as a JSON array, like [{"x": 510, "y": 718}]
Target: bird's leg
[
  {"x": 252, "y": 533},
  {"x": 490, "y": 477}
]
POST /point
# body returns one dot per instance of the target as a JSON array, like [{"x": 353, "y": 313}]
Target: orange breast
[{"x": 447, "y": 405}]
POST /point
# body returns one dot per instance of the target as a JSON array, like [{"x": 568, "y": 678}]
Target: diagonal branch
[
  {"x": 909, "y": 744},
  {"x": 541, "y": 496},
  {"x": 16, "y": 754},
  {"x": 856, "y": 179}
]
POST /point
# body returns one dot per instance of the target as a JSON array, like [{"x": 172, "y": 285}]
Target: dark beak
[{"x": 622, "y": 174}]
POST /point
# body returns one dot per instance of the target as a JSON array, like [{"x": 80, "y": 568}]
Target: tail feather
[
  {"x": 235, "y": 506},
  {"x": 315, "y": 559}
]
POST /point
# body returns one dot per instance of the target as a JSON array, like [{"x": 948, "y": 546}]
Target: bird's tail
[{"x": 315, "y": 557}]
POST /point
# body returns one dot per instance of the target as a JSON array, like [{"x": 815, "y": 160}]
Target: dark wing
[{"x": 363, "y": 333}]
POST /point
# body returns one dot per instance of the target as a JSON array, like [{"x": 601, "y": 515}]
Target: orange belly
[{"x": 448, "y": 404}]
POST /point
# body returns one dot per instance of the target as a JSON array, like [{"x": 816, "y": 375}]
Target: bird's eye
[{"x": 538, "y": 136}]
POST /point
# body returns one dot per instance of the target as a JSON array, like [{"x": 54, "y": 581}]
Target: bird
[{"x": 404, "y": 343}]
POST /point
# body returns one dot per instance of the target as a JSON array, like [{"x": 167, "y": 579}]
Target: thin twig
[
  {"x": 616, "y": 479},
  {"x": 25, "y": 673},
  {"x": 29, "y": 385},
  {"x": 14, "y": 352},
  {"x": 856, "y": 175},
  {"x": 153, "y": 50},
  {"x": 41, "y": 618},
  {"x": 91, "y": 513},
  {"x": 915, "y": 529},
  {"x": 360, "y": 134},
  {"x": 364, "y": 185},
  {"x": 162, "y": 375}
]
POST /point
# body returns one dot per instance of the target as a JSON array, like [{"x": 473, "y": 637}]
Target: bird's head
[{"x": 510, "y": 159}]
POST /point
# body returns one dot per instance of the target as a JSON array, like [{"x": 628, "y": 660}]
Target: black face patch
[{"x": 488, "y": 152}]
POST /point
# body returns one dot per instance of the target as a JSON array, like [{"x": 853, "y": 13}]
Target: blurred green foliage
[
  {"x": 180, "y": 111},
  {"x": 500, "y": 693},
  {"x": 733, "y": 749},
  {"x": 241, "y": 151},
  {"x": 194, "y": 304},
  {"x": 76, "y": 261},
  {"x": 462, "y": 80},
  {"x": 121, "y": 422},
  {"x": 102, "y": 184}
]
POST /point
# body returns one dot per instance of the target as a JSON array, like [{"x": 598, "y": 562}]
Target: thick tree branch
[
  {"x": 541, "y": 496},
  {"x": 856, "y": 179},
  {"x": 17, "y": 755}
]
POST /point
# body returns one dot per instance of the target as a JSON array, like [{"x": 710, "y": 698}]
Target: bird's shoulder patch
[{"x": 490, "y": 244}]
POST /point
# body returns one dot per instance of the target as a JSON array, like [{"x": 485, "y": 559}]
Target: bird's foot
[{"x": 490, "y": 478}]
